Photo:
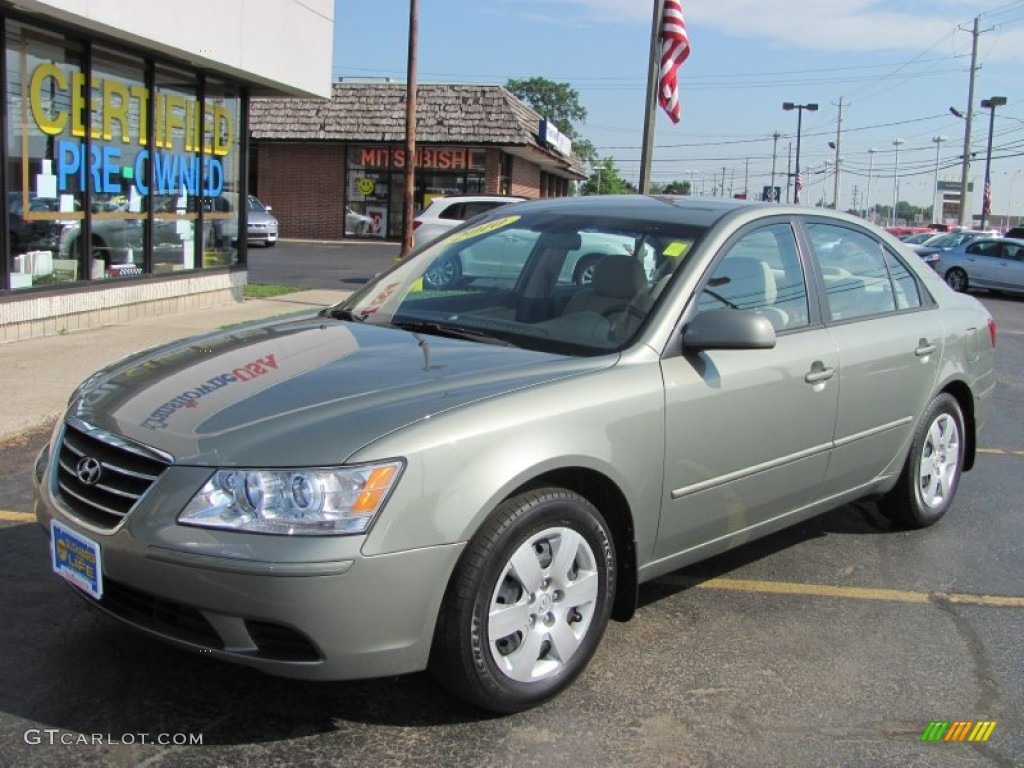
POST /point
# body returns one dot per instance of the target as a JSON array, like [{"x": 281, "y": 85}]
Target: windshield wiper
[
  {"x": 450, "y": 331},
  {"x": 341, "y": 314}
]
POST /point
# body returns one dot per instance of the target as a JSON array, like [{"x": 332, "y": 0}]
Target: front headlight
[{"x": 342, "y": 500}]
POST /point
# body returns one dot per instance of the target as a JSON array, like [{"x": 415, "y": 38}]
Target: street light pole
[
  {"x": 896, "y": 180},
  {"x": 986, "y": 204},
  {"x": 867, "y": 196},
  {"x": 789, "y": 106},
  {"x": 936, "y": 198}
]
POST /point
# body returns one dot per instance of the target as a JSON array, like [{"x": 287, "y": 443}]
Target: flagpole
[{"x": 653, "y": 68}]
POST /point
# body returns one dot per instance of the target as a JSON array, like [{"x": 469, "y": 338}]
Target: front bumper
[{"x": 303, "y": 607}]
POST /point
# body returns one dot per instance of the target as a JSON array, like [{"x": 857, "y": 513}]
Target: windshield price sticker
[
  {"x": 77, "y": 559},
  {"x": 482, "y": 229}
]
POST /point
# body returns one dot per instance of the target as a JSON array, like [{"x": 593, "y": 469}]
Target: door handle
[
  {"x": 924, "y": 348},
  {"x": 819, "y": 373}
]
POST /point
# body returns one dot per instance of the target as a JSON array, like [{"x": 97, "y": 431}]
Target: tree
[
  {"x": 605, "y": 180},
  {"x": 560, "y": 104},
  {"x": 672, "y": 188}
]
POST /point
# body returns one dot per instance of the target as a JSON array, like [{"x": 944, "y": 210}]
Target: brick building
[
  {"x": 125, "y": 150},
  {"x": 336, "y": 168}
]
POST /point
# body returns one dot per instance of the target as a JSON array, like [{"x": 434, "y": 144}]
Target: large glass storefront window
[
  {"x": 177, "y": 177},
  {"x": 221, "y": 168},
  {"x": 45, "y": 181},
  {"x": 115, "y": 166},
  {"x": 117, "y": 240},
  {"x": 375, "y": 185}
]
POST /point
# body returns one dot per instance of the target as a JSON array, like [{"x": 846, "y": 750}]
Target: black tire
[
  {"x": 931, "y": 474},
  {"x": 521, "y": 543},
  {"x": 270, "y": 243},
  {"x": 956, "y": 279},
  {"x": 444, "y": 273}
]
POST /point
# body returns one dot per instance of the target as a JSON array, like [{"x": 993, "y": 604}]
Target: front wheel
[
  {"x": 956, "y": 279},
  {"x": 528, "y": 603},
  {"x": 932, "y": 472}
]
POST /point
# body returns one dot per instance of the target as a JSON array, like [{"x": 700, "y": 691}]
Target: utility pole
[
  {"x": 839, "y": 133},
  {"x": 775, "y": 147},
  {"x": 410, "y": 132},
  {"x": 966, "y": 169},
  {"x": 789, "y": 170},
  {"x": 746, "y": 179}
]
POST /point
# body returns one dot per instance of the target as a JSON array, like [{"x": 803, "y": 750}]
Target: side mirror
[{"x": 728, "y": 329}]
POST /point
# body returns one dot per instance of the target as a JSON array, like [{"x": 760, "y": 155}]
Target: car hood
[{"x": 301, "y": 392}]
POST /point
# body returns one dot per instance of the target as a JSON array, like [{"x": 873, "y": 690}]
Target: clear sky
[{"x": 897, "y": 67}]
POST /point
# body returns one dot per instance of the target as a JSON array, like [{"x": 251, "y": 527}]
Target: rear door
[{"x": 889, "y": 339}]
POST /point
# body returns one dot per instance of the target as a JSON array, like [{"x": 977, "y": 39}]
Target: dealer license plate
[{"x": 76, "y": 558}]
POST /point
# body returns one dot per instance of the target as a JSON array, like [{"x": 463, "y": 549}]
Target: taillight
[
  {"x": 992, "y": 331},
  {"x": 416, "y": 224}
]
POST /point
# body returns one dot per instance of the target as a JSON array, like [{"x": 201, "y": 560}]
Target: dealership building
[
  {"x": 333, "y": 169},
  {"x": 126, "y": 159}
]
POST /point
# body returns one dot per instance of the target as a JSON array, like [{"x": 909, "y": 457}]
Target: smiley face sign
[{"x": 366, "y": 187}]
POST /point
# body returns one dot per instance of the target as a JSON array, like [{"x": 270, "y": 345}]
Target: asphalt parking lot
[{"x": 834, "y": 643}]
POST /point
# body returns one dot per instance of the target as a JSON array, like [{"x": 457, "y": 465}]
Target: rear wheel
[
  {"x": 932, "y": 472},
  {"x": 956, "y": 279},
  {"x": 443, "y": 273},
  {"x": 528, "y": 603}
]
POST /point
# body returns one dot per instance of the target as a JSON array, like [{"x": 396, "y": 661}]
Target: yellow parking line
[
  {"x": 855, "y": 593},
  {"x": 1001, "y": 452},
  {"x": 16, "y": 517}
]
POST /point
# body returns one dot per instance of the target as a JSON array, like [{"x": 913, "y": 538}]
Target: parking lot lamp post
[
  {"x": 986, "y": 205},
  {"x": 789, "y": 106},
  {"x": 896, "y": 180},
  {"x": 936, "y": 197}
]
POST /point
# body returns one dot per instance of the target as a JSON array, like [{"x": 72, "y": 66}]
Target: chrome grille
[{"x": 103, "y": 498}]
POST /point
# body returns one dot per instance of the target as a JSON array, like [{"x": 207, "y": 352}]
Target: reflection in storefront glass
[
  {"x": 176, "y": 166},
  {"x": 221, "y": 144},
  {"x": 118, "y": 224},
  {"x": 44, "y": 191}
]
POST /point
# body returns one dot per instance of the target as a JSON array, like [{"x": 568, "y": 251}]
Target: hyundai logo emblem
[{"x": 88, "y": 470}]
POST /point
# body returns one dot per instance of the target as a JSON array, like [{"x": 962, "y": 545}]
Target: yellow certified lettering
[
  {"x": 115, "y": 107},
  {"x": 482, "y": 229},
  {"x": 50, "y": 126}
]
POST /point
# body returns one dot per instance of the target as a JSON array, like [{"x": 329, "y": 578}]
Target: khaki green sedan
[{"x": 474, "y": 475}]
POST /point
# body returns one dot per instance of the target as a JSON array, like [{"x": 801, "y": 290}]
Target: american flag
[
  {"x": 986, "y": 198},
  {"x": 675, "y": 47}
]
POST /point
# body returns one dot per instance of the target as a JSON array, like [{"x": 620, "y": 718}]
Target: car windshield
[
  {"x": 564, "y": 283},
  {"x": 256, "y": 205}
]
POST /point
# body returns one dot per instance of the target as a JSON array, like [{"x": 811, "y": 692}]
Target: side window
[
  {"x": 453, "y": 211},
  {"x": 761, "y": 273},
  {"x": 985, "y": 248},
  {"x": 853, "y": 265},
  {"x": 474, "y": 209},
  {"x": 908, "y": 295}
]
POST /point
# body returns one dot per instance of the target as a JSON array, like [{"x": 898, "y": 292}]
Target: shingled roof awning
[{"x": 479, "y": 115}]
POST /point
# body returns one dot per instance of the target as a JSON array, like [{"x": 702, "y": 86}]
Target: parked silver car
[
  {"x": 475, "y": 481},
  {"x": 262, "y": 224},
  {"x": 994, "y": 263}
]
